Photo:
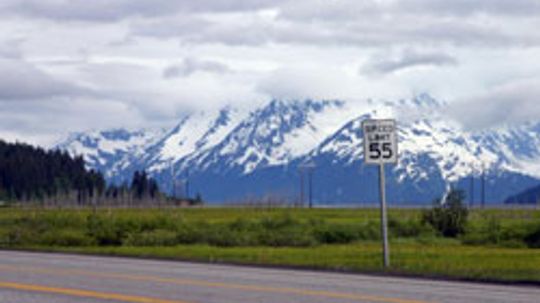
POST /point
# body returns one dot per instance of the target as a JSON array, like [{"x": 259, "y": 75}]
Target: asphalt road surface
[{"x": 59, "y": 278}]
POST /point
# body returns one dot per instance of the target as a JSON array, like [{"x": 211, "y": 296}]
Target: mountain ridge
[{"x": 257, "y": 152}]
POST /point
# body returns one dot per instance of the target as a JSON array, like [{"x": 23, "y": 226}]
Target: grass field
[{"x": 493, "y": 248}]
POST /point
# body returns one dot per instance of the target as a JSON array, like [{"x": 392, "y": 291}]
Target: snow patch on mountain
[
  {"x": 273, "y": 139},
  {"x": 275, "y": 134},
  {"x": 195, "y": 133},
  {"x": 109, "y": 150}
]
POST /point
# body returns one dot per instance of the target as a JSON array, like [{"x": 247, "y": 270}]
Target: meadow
[{"x": 496, "y": 245}]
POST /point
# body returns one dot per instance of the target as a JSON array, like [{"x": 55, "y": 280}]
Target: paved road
[{"x": 58, "y": 278}]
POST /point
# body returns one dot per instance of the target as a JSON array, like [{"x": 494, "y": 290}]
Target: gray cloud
[
  {"x": 22, "y": 81},
  {"x": 114, "y": 10},
  {"x": 364, "y": 31},
  {"x": 52, "y": 50},
  {"x": 384, "y": 64},
  {"x": 512, "y": 103},
  {"x": 41, "y": 122},
  {"x": 362, "y": 23},
  {"x": 11, "y": 48},
  {"x": 192, "y": 65},
  {"x": 471, "y": 7},
  {"x": 198, "y": 30}
]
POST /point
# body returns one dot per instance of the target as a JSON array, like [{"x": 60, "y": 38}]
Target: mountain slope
[
  {"x": 109, "y": 151},
  {"x": 232, "y": 154},
  {"x": 529, "y": 196},
  {"x": 273, "y": 136}
]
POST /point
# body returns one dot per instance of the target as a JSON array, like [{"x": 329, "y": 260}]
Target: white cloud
[
  {"x": 142, "y": 63},
  {"x": 388, "y": 63},
  {"x": 191, "y": 65},
  {"x": 114, "y": 10},
  {"x": 471, "y": 7},
  {"x": 509, "y": 104}
]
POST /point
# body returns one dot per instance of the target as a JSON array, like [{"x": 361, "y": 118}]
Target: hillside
[
  {"x": 529, "y": 196},
  {"x": 235, "y": 154}
]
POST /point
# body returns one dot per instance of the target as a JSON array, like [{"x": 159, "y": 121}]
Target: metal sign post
[
  {"x": 380, "y": 147},
  {"x": 384, "y": 223}
]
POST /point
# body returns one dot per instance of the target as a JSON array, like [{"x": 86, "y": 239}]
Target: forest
[{"x": 33, "y": 175}]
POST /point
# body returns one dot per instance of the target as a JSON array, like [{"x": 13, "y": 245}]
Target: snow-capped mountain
[
  {"x": 109, "y": 151},
  {"x": 234, "y": 153},
  {"x": 195, "y": 133},
  {"x": 274, "y": 135}
]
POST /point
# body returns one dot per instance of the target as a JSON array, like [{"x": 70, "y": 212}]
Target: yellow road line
[
  {"x": 247, "y": 287},
  {"x": 82, "y": 293}
]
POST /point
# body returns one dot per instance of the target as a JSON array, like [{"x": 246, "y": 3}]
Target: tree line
[{"x": 31, "y": 174}]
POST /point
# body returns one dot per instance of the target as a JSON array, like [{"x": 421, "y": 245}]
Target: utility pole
[
  {"x": 483, "y": 187},
  {"x": 471, "y": 195},
  {"x": 187, "y": 183},
  {"x": 309, "y": 167},
  {"x": 301, "y": 187},
  {"x": 173, "y": 180},
  {"x": 310, "y": 188}
]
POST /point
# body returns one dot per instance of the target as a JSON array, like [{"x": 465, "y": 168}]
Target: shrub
[
  {"x": 337, "y": 234},
  {"x": 158, "y": 237},
  {"x": 228, "y": 238},
  {"x": 4, "y": 237},
  {"x": 533, "y": 238},
  {"x": 60, "y": 219},
  {"x": 191, "y": 234},
  {"x": 489, "y": 233},
  {"x": 273, "y": 223},
  {"x": 287, "y": 237},
  {"x": 65, "y": 237},
  {"x": 371, "y": 230},
  {"x": 409, "y": 228},
  {"x": 104, "y": 230},
  {"x": 242, "y": 224},
  {"x": 20, "y": 235},
  {"x": 450, "y": 218}
]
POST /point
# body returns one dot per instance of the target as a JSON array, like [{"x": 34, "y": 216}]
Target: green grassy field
[{"x": 493, "y": 248}]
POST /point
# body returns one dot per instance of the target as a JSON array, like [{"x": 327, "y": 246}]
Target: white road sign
[
  {"x": 380, "y": 141},
  {"x": 380, "y": 147}
]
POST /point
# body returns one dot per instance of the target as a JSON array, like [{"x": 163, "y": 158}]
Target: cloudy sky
[{"x": 70, "y": 65}]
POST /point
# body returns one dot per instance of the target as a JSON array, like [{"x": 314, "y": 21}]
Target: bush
[
  {"x": 192, "y": 233},
  {"x": 371, "y": 230},
  {"x": 65, "y": 237},
  {"x": 489, "y": 233},
  {"x": 19, "y": 235},
  {"x": 287, "y": 237},
  {"x": 337, "y": 234},
  {"x": 157, "y": 237},
  {"x": 409, "y": 229},
  {"x": 105, "y": 230},
  {"x": 273, "y": 223},
  {"x": 449, "y": 219},
  {"x": 228, "y": 238},
  {"x": 4, "y": 237},
  {"x": 533, "y": 238}
]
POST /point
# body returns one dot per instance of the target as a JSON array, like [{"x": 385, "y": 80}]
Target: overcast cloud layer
[{"x": 78, "y": 64}]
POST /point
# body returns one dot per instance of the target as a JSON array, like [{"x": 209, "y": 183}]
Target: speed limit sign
[
  {"x": 380, "y": 147},
  {"x": 380, "y": 141}
]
